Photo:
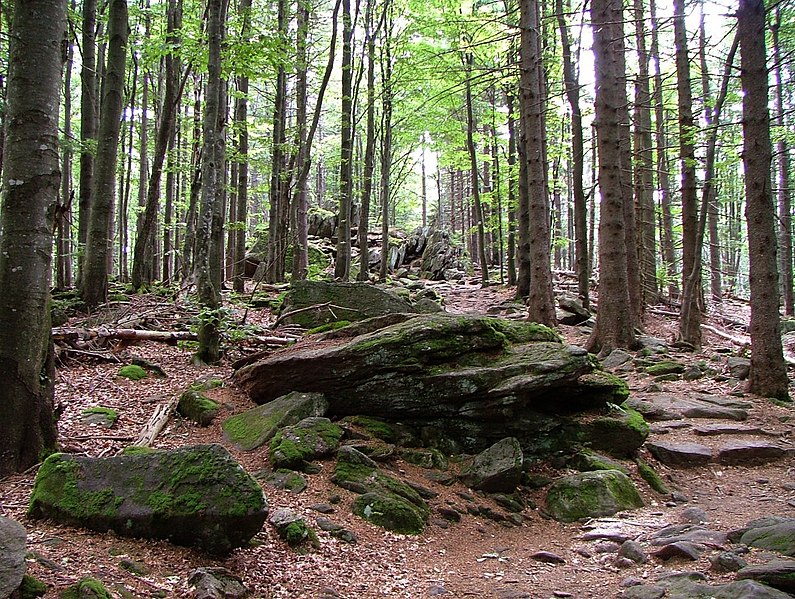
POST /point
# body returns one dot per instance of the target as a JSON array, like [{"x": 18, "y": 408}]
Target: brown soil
[{"x": 474, "y": 558}]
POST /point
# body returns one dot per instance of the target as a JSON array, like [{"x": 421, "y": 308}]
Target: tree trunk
[
  {"x": 614, "y": 322},
  {"x": 143, "y": 254},
  {"x": 784, "y": 178},
  {"x": 94, "y": 289},
  {"x": 342, "y": 265},
  {"x": 189, "y": 246},
  {"x": 768, "y": 376},
  {"x": 511, "y": 189},
  {"x": 540, "y": 302},
  {"x": 369, "y": 153},
  {"x": 207, "y": 285},
  {"x": 690, "y": 319},
  {"x": 31, "y": 177},
  {"x": 644, "y": 184},
  {"x": 63, "y": 216},
  {"x": 386, "y": 140}
]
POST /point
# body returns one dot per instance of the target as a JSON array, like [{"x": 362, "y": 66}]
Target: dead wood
[{"x": 157, "y": 423}]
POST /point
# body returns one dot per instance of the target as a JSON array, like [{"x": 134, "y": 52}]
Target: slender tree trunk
[
  {"x": 31, "y": 177},
  {"x": 614, "y": 321},
  {"x": 189, "y": 248},
  {"x": 540, "y": 302},
  {"x": 784, "y": 178},
  {"x": 386, "y": 140},
  {"x": 342, "y": 265},
  {"x": 88, "y": 125},
  {"x": 690, "y": 319},
  {"x": 369, "y": 153},
  {"x": 511, "y": 190},
  {"x": 143, "y": 254},
  {"x": 213, "y": 158},
  {"x": 63, "y": 268},
  {"x": 768, "y": 376},
  {"x": 94, "y": 289}
]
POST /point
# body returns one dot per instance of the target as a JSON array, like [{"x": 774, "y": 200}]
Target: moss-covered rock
[
  {"x": 87, "y": 588},
  {"x": 196, "y": 406},
  {"x": 650, "y": 475},
  {"x": 666, "y": 367},
  {"x": 588, "y": 461},
  {"x": 100, "y": 416},
  {"x": 253, "y": 428},
  {"x": 620, "y": 433},
  {"x": 497, "y": 469},
  {"x": 293, "y": 529},
  {"x": 132, "y": 372},
  {"x": 191, "y": 496},
  {"x": 284, "y": 479},
  {"x": 312, "y": 438},
  {"x": 31, "y": 587},
  {"x": 391, "y": 512},
  {"x": 591, "y": 495},
  {"x": 776, "y": 536}
]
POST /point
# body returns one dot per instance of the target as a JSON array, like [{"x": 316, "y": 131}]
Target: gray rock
[
  {"x": 633, "y": 550},
  {"x": 738, "y": 367},
  {"x": 776, "y": 536},
  {"x": 711, "y": 430},
  {"x": 195, "y": 405},
  {"x": 726, "y": 561},
  {"x": 216, "y": 583},
  {"x": 497, "y": 469},
  {"x": 779, "y": 574},
  {"x": 684, "y": 455},
  {"x": 750, "y": 452},
  {"x": 680, "y": 549},
  {"x": 286, "y": 480},
  {"x": 690, "y": 589},
  {"x": 253, "y": 428},
  {"x": 652, "y": 344},
  {"x": 693, "y": 515},
  {"x": 13, "y": 540},
  {"x": 660, "y": 406},
  {"x": 311, "y": 438},
  {"x": 547, "y": 557},
  {"x": 688, "y": 533},
  {"x": 197, "y": 496},
  {"x": 591, "y": 494},
  {"x": 616, "y": 359}
]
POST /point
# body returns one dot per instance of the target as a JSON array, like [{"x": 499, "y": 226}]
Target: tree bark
[
  {"x": 94, "y": 289},
  {"x": 342, "y": 265},
  {"x": 768, "y": 376},
  {"x": 511, "y": 189},
  {"x": 88, "y": 125},
  {"x": 31, "y": 177},
  {"x": 614, "y": 322}
]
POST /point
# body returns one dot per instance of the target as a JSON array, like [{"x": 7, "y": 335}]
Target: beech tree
[
  {"x": 768, "y": 371},
  {"x": 31, "y": 179}
]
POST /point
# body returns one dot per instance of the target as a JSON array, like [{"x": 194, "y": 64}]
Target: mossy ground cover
[{"x": 132, "y": 372}]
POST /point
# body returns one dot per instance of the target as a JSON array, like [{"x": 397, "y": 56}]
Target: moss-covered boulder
[
  {"x": 196, "y": 406},
  {"x": 476, "y": 379},
  {"x": 13, "y": 538},
  {"x": 253, "y": 428},
  {"x": 132, "y": 372},
  {"x": 620, "y": 432},
  {"x": 291, "y": 527},
  {"x": 588, "y": 461},
  {"x": 384, "y": 500},
  {"x": 197, "y": 496},
  {"x": 312, "y": 438},
  {"x": 774, "y": 535},
  {"x": 322, "y": 302},
  {"x": 99, "y": 416},
  {"x": 87, "y": 588},
  {"x": 591, "y": 495},
  {"x": 665, "y": 367},
  {"x": 497, "y": 469}
]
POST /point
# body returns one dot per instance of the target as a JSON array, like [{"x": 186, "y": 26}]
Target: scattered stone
[
  {"x": 253, "y": 428},
  {"x": 688, "y": 533},
  {"x": 323, "y": 508},
  {"x": 591, "y": 494},
  {"x": 512, "y": 503},
  {"x": 442, "y": 478},
  {"x": 665, "y": 367},
  {"x": 13, "y": 539},
  {"x": 652, "y": 345},
  {"x": 684, "y": 588},
  {"x": 99, "y": 416},
  {"x": 498, "y": 468},
  {"x": 575, "y": 313},
  {"x": 738, "y": 368},
  {"x": 606, "y": 547},
  {"x": 680, "y": 549},
  {"x": 286, "y": 480},
  {"x": 750, "y": 452},
  {"x": 196, "y": 406},
  {"x": 197, "y": 496},
  {"x": 292, "y": 528},
  {"x": 649, "y": 474},
  {"x": 547, "y": 557},
  {"x": 709, "y": 430},
  {"x": 726, "y": 561},
  {"x": 134, "y": 567},
  {"x": 693, "y": 373},
  {"x": 216, "y": 583},
  {"x": 336, "y": 530},
  {"x": 693, "y": 515},
  {"x": 311, "y": 438},
  {"x": 617, "y": 359},
  {"x": 685, "y": 455},
  {"x": 659, "y": 406},
  {"x": 449, "y": 514},
  {"x": 633, "y": 550},
  {"x": 779, "y": 574}
]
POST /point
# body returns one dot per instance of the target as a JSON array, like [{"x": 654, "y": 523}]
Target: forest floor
[{"x": 473, "y": 558}]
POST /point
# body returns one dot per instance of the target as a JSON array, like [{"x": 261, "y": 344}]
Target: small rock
[
  {"x": 738, "y": 367},
  {"x": 606, "y": 547},
  {"x": 686, "y": 455},
  {"x": 497, "y": 469},
  {"x": 216, "y": 583},
  {"x": 749, "y": 452},
  {"x": 693, "y": 515},
  {"x": 323, "y": 508},
  {"x": 779, "y": 574},
  {"x": 633, "y": 550},
  {"x": 683, "y": 549},
  {"x": 547, "y": 557},
  {"x": 727, "y": 561}
]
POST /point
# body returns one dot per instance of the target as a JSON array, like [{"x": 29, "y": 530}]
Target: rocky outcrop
[
  {"x": 13, "y": 539},
  {"x": 197, "y": 496},
  {"x": 474, "y": 378}
]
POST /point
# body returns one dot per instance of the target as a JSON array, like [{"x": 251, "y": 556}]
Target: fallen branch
[
  {"x": 100, "y": 438},
  {"x": 77, "y": 334},
  {"x": 157, "y": 423},
  {"x": 741, "y": 341}
]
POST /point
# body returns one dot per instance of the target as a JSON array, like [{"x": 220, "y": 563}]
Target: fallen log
[
  {"x": 77, "y": 334},
  {"x": 157, "y": 423}
]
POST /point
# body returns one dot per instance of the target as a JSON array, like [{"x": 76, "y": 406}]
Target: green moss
[
  {"x": 297, "y": 534},
  {"x": 57, "y": 484},
  {"x": 196, "y": 406},
  {"x": 588, "y": 461},
  {"x": 206, "y": 385},
  {"x": 330, "y": 326},
  {"x": 293, "y": 446},
  {"x": 31, "y": 587},
  {"x": 650, "y": 475},
  {"x": 380, "y": 429},
  {"x": 109, "y": 413},
  {"x": 591, "y": 495},
  {"x": 346, "y": 472},
  {"x": 391, "y": 512},
  {"x": 665, "y": 367},
  {"x": 132, "y": 372},
  {"x": 137, "y": 450},
  {"x": 87, "y": 588}
]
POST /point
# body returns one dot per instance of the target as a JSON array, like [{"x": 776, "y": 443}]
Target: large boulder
[
  {"x": 197, "y": 496},
  {"x": 474, "y": 378},
  {"x": 438, "y": 256},
  {"x": 312, "y": 438},
  {"x": 497, "y": 469},
  {"x": 591, "y": 495},
  {"x": 13, "y": 540},
  {"x": 255, "y": 427},
  {"x": 322, "y": 302}
]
